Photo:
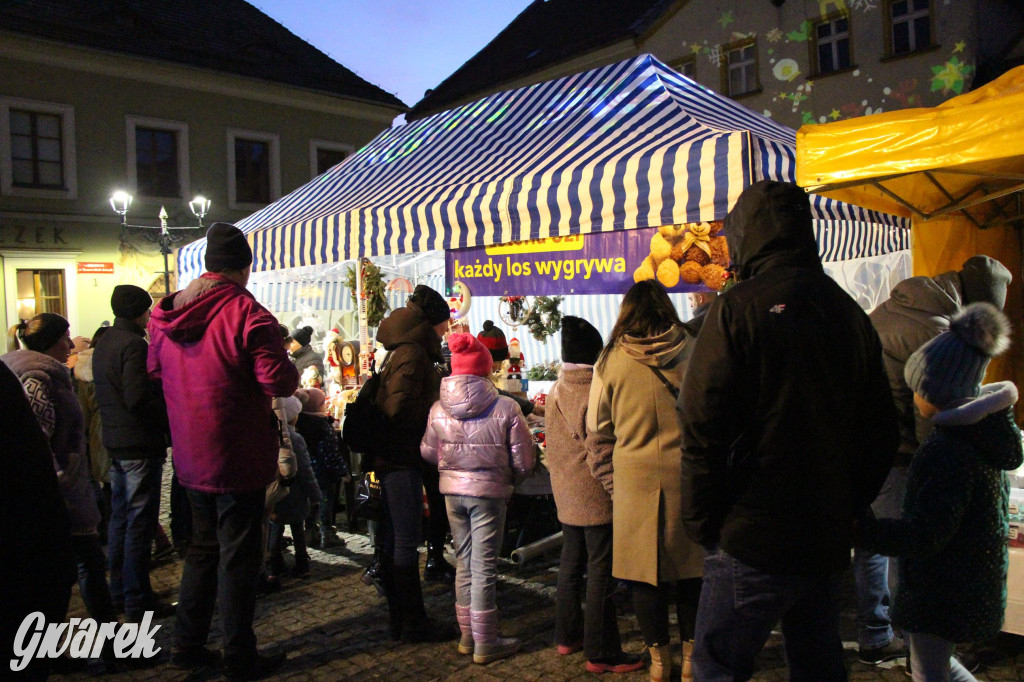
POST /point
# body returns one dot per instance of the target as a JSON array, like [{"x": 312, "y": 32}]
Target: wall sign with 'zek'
[{"x": 95, "y": 268}]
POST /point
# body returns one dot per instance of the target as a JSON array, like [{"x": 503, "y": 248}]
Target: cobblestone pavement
[{"x": 333, "y": 627}]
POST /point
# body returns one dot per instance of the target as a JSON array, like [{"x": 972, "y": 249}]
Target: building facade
[
  {"x": 797, "y": 61},
  {"x": 240, "y": 119}
]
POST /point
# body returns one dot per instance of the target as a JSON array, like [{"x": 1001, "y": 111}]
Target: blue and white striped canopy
[{"x": 633, "y": 144}]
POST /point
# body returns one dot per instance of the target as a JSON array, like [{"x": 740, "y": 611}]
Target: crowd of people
[{"x": 730, "y": 465}]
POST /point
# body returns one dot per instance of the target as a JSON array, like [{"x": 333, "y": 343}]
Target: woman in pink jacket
[{"x": 481, "y": 445}]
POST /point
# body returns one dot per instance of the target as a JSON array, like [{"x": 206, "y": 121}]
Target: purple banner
[{"x": 684, "y": 258}]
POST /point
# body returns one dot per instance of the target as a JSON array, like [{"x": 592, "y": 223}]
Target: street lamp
[{"x": 121, "y": 201}]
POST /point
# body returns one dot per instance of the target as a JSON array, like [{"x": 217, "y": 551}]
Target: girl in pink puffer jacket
[{"x": 481, "y": 445}]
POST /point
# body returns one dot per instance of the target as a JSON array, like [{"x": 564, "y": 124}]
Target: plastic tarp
[
  {"x": 965, "y": 156},
  {"x": 956, "y": 169}
]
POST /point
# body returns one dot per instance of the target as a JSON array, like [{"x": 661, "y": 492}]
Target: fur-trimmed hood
[{"x": 1000, "y": 447}]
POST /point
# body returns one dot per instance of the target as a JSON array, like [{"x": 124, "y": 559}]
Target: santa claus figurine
[{"x": 514, "y": 367}]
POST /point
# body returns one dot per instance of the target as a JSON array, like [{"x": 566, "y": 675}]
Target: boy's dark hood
[
  {"x": 409, "y": 325},
  {"x": 770, "y": 226}
]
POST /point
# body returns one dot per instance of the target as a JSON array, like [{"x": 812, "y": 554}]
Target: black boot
[
  {"x": 371, "y": 576},
  {"x": 437, "y": 569},
  {"x": 385, "y": 575},
  {"x": 416, "y": 625}
]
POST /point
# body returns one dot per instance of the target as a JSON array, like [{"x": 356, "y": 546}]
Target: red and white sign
[{"x": 96, "y": 268}]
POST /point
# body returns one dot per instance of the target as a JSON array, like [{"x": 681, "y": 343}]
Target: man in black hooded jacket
[{"x": 788, "y": 433}]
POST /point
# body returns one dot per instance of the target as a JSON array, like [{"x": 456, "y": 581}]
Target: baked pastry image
[{"x": 690, "y": 253}]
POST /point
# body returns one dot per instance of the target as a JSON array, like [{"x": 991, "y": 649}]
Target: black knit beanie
[
  {"x": 129, "y": 301},
  {"x": 303, "y": 335},
  {"x": 42, "y": 331},
  {"x": 581, "y": 342},
  {"x": 433, "y": 305},
  {"x": 226, "y": 248}
]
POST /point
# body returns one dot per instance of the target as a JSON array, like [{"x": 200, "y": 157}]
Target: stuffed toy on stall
[{"x": 332, "y": 357}]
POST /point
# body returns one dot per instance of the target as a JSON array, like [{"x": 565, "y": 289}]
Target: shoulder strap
[{"x": 672, "y": 388}]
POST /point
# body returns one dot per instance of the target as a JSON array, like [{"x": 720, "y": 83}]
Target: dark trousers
[
  {"x": 740, "y": 605},
  {"x": 399, "y": 535},
  {"x": 437, "y": 523},
  {"x": 275, "y": 546},
  {"x": 651, "y": 606},
  {"x": 135, "y": 512},
  {"x": 92, "y": 578},
  {"x": 587, "y": 549},
  {"x": 222, "y": 565},
  {"x": 181, "y": 514}
]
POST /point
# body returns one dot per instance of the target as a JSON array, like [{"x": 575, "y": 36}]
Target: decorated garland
[
  {"x": 548, "y": 372},
  {"x": 544, "y": 317},
  {"x": 373, "y": 289}
]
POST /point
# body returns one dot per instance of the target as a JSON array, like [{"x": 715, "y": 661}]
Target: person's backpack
[{"x": 366, "y": 426}]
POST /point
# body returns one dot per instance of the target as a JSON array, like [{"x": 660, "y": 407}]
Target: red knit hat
[
  {"x": 469, "y": 356},
  {"x": 494, "y": 340}
]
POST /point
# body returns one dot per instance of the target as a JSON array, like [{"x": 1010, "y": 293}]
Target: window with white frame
[
  {"x": 910, "y": 25},
  {"x": 37, "y": 149},
  {"x": 254, "y": 168},
  {"x": 157, "y": 157},
  {"x": 740, "y": 69},
  {"x": 686, "y": 66},
  {"x": 832, "y": 45},
  {"x": 325, "y": 155}
]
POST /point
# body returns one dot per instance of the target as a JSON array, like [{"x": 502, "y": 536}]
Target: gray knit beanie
[
  {"x": 985, "y": 280},
  {"x": 949, "y": 369}
]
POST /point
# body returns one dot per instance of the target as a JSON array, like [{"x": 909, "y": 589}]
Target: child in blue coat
[{"x": 951, "y": 541}]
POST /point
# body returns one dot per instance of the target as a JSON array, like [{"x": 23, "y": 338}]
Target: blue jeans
[
  {"x": 222, "y": 565},
  {"x": 478, "y": 526},
  {"x": 587, "y": 550},
  {"x": 134, "y": 513},
  {"x": 875, "y": 576},
  {"x": 739, "y": 606},
  {"x": 931, "y": 659},
  {"x": 399, "y": 535},
  {"x": 329, "y": 492}
]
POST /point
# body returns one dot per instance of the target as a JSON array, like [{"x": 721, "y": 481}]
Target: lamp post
[{"x": 121, "y": 201}]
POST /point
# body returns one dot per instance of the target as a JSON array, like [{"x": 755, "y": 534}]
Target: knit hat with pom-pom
[
  {"x": 303, "y": 335},
  {"x": 469, "y": 356},
  {"x": 494, "y": 340},
  {"x": 292, "y": 406},
  {"x": 312, "y": 399},
  {"x": 948, "y": 370}
]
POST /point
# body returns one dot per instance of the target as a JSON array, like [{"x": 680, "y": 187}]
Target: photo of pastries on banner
[{"x": 690, "y": 253}]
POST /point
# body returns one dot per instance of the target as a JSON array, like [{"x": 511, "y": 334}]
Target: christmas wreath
[
  {"x": 373, "y": 290},
  {"x": 544, "y": 317}
]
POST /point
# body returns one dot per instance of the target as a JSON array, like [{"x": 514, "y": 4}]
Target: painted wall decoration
[
  {"x": 685, "y": 258},
  {"x": 784, "y": 55}
]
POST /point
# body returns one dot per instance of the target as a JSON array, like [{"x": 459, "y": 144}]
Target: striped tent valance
[{"x": 632, "y": 144}]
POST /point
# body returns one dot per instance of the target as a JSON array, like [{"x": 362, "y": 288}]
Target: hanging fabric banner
[{"x": 685, "y": 258}]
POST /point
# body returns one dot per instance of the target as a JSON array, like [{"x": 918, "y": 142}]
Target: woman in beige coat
[{"x": 633, "y": 403}]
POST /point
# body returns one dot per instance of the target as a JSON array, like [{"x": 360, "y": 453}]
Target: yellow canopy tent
[{"x": 957, "y": 170}]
